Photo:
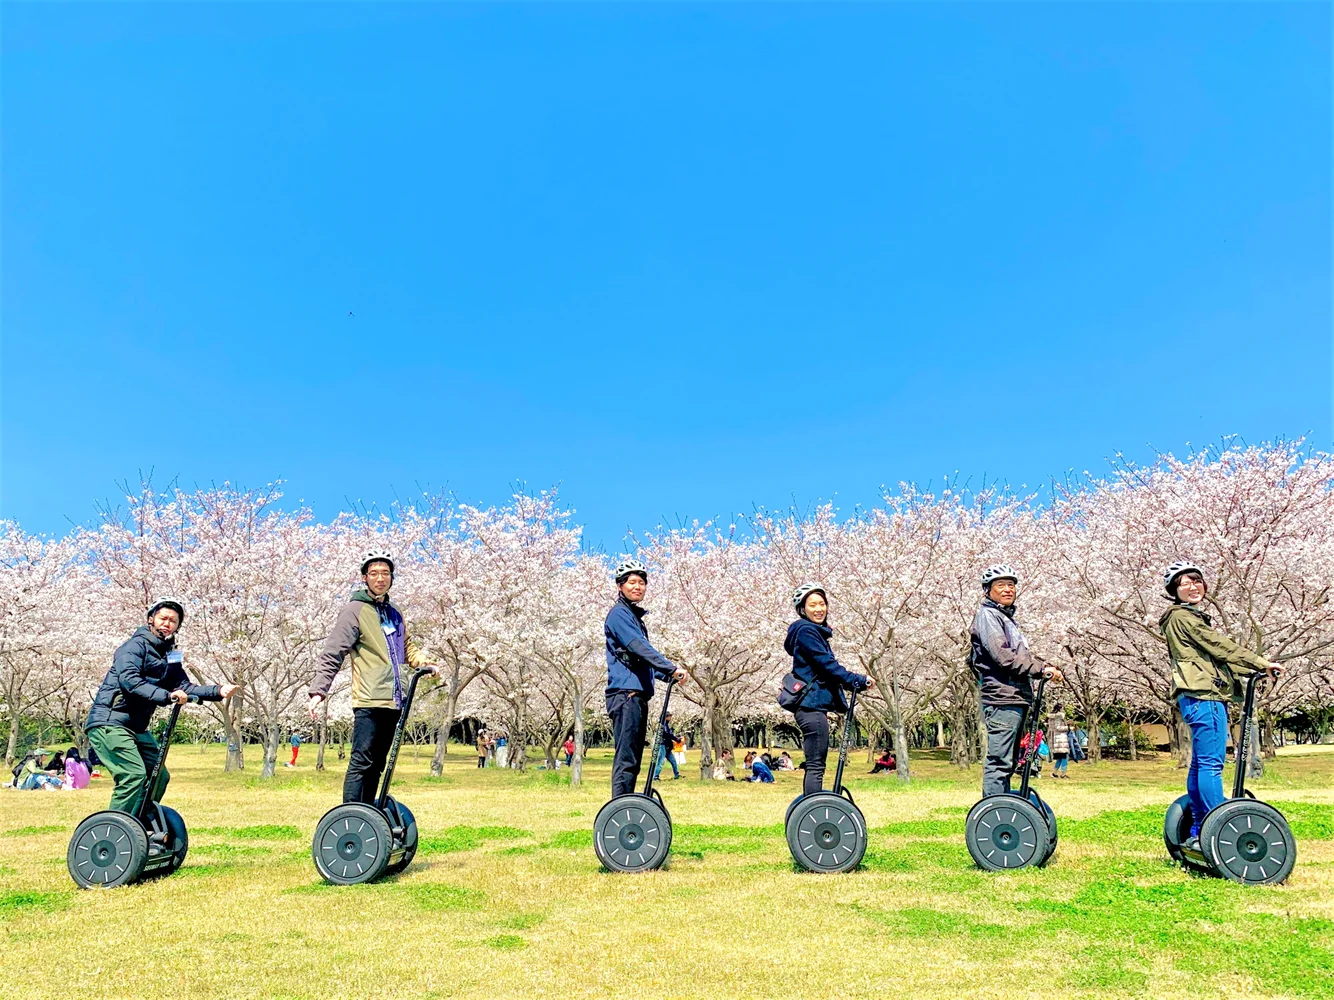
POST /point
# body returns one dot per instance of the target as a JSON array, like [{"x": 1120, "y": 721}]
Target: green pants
[{"x": 129, "y": 757}]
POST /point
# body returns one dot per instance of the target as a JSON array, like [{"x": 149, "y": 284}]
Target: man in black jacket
[
  {"x": 1005, "y": 670},
  {"x": 140, "y": 679}
]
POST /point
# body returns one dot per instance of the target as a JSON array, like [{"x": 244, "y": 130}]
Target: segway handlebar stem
[
  {"x": 1244, "y": 746},
  {"x": 1032, "y": 737},
  {"x": 847, "y": 742},
  {"x": 147, "y": 804},
  {"x": 383, "y": 798},
  {"x": 657, "y": 735}
]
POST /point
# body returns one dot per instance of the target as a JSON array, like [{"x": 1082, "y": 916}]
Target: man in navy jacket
[{"x": 631, "y": 666}]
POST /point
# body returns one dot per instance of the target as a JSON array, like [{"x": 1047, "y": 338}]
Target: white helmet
[
  {"x": 628, "y": 566},
  {"x": 804, "y": 591},
  {"x": 1001, "y": 571},
  {"x": 377, "y": 555},
  {"x": 174, "y": 603},
  {"x": 1174, "y": 571}
]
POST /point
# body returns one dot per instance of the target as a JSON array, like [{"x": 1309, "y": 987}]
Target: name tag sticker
[{"x": 388, "y": 628}]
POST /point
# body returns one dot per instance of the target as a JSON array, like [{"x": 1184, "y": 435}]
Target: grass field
[{"x": 506, "y": 898}]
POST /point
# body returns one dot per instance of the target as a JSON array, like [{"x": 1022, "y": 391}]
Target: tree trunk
[
  {"x": 940, "y": 733},
  {"x": 13, "y": 740},
  {"x": 446, "y": 723},
  {"x": 1095, "y": 739},
  {"x": 706, "y": 740},
  {"x": 323, "y": 726},
  {"x": 272, "y": 737},
  {"x": 1130, "y": 738},
  {"x": 577, "y": 762},
  {"x": 235, "y": 752},
  {"x": 900, "y": 732}
]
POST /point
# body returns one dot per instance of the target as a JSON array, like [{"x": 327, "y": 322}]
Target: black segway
[
  {"x": 826, "y": 832},
  {"x": 633, "y": 832},
  {"x": 355, "y": 842},
  {"x": 1242, "y": 839},
  {"x": 1014, "y": 829},
  {"x": 113, "y": 848}
]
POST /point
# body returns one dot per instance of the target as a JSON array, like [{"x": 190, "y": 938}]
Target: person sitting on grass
[
  {"x": 140, "y": 680},
  {"x": 1204, "y": 665},
  {"x": 76, "y": 771},
  {"x": 885, "y": 762},
  {"x": 785, "y": 762},
  {"x": 759, "y": 770},
  {"x": 722, "y": 767},
  {"x": 632, "y": 663}
]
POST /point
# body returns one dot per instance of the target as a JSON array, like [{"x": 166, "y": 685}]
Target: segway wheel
[
  {"x": 108, "y": 849},
  {"x": 352, "y": 844},
  {"x": 632, "y": 833},
  {"x": 826, "y": 833},
  {"x": 1050, "y": 817},
  {"x": 403, "y": 818},
  {"x": 1249, "y": 842},
  {"x": 178, "y": 840},
  {"x": 1006, "y": 832}
]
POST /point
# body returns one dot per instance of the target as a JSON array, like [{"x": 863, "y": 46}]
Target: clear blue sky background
[{"x": 678, "y": 259}]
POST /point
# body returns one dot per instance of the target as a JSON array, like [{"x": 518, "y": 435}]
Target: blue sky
[{"x": 679, "y": 259}]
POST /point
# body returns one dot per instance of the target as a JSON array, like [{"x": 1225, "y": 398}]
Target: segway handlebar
[
  {"x": 418, "y": 674},
  {"x": 847, "y": 742},
  {"x": 1032, "y": 737},
  {"x": 1244, "y": 746},
  {"x": 657, "y": 735},
  {"x": 147, "y": 803}
]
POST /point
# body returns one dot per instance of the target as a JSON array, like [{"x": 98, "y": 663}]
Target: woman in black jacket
[{"x": 824, "y": 678}]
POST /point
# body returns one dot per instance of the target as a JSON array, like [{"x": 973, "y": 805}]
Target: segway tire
[
  {"x": 1249, "y": 842},
  {"x": 108, "y": 849},
  {"x": 1006, "y": 832},
  {"x": 1176, "y": 831},
  {"x": 1050, "y": 817},
  {"x": 178, "y": 839},
  {"x": 352, "y": 844},
  {"x": 632, "y": 833},
  {"x": 404, "y": 819},
  {"x": 826, "y": 833}
]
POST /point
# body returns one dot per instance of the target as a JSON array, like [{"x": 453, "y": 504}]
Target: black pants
[
  {"x": 372, "y": 736},
  {"x": 815, "y": 745},
  {"x": 629, "y": 725}
]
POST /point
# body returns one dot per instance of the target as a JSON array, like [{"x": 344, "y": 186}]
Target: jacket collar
[
  {"x": 163, "y": 646},
  {"x": 639, "y": 612},
  {"x": 1008, "y": 612}
]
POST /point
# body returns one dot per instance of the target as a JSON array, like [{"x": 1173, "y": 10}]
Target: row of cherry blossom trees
[{"x": 510, "y": 603}]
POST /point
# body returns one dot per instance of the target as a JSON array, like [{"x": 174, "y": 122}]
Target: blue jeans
[
  {"x": 1208, "y": 751},
  {"x": 1062, "y": 762},
  {"x": 667, "y": 755}
]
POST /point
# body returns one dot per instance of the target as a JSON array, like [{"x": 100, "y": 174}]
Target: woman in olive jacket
[{"x": 1204, "y": 663}]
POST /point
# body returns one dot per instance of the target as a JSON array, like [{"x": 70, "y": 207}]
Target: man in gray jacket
[{"x": 1005, "y": 670}]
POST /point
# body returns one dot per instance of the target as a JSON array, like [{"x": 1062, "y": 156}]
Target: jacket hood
[
  {"x": 1007, "y": 611},
  {"x": 1188, "y": 608},
  {"x": 790, "y": 643},
  {"x": 154, "y": 640}
]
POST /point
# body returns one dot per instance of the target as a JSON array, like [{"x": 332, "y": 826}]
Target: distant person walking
[
  {"x": 1059, "y": 731},
  {"x": 296, "y": 748}
]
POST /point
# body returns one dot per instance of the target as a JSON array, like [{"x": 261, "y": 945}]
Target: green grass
[{"x": 505, "y": 897}]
